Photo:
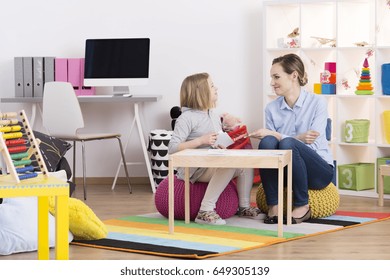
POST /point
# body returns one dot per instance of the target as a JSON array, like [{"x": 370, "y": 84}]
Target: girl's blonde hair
[{"x": 195, "y": 92}]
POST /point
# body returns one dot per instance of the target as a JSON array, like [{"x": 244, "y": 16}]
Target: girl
[{"x": 198, "y": 127}]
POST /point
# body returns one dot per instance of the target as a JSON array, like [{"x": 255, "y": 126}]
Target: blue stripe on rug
[
  {"x": 170, "y": 242},
  {"x": 349, "y": 219}
]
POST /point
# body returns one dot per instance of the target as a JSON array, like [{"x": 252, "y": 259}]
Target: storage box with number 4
[{"x": 356, "y": 176}]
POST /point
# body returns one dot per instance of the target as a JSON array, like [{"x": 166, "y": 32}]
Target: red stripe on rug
[{"x": 375, "y": 215}]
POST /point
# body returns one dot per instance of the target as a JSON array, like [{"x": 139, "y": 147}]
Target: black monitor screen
[{"x": 117, "y": 58}]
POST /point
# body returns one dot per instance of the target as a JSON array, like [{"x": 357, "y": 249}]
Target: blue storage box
[
  {"x": 386, "y": 78},
  {"x": 328, "y": 88}
]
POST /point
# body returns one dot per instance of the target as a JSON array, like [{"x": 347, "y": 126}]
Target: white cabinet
[{"x": 334, "y": 31}]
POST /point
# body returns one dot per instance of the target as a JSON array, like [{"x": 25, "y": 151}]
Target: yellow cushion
[
  {"x": 83, "y": 222},
  {"x": 323, "y": 203}
]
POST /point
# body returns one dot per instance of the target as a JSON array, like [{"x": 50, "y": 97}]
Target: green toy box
[
  {"x": 386, "y": 179},
  {"x": 356, "y": 130},
  {"x": 356, "y": 176}
]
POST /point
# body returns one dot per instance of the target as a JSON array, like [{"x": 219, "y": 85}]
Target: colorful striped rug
[{"x": 148, "y": 234}]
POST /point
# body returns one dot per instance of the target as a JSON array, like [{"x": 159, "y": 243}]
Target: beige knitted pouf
[{"x": 323, "y": 203}]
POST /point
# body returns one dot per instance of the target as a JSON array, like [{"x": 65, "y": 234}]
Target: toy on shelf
[
  {"x": 19, "y": 148},
  {"x": 294, "y": 33},
  {"x": 361, "y": 44},
  {"x": 365, "y": 87},
  {"x": 291, "y": 41},
  {"x": 327, "y": 83},
  {"x": 325, "y": 41}
]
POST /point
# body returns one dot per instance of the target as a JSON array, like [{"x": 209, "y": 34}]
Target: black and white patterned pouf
[{"x": 158, "y": 148}]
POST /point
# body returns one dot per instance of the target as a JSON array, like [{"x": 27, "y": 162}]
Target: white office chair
[{"x": 62, "y": 117}]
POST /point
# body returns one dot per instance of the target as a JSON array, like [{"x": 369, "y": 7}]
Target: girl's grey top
[{"x": 189, "y": 125}]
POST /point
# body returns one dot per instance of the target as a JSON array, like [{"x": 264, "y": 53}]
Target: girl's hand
[
  {"x": 309, "y": 137},
  {"x": 208, "y": 139}
]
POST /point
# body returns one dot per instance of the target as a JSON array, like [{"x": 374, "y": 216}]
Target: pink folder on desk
[
  {"x": 61, "y": 69},
  {"x": 74, "y": 72}
]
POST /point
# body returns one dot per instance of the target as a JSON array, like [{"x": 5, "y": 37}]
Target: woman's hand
[
  {"x": 309, "y": 137},
  {"x": 260, "y": 133}
]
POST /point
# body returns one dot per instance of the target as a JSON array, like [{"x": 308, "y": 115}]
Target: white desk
[
  {"x": 277, "y": 159},
  {"x": 136, "y": 100}
]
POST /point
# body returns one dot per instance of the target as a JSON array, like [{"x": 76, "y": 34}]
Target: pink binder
[
  {"x": 74, "y": 72},
  {"x": 61, "y": 69}
]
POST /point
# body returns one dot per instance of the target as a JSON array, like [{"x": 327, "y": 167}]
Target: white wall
[{"x": 222, "y": 37}]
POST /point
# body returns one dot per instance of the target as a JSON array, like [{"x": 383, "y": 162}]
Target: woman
[
  {"x": 296, "y": 120},
  {"x": 197, "y": 128}
]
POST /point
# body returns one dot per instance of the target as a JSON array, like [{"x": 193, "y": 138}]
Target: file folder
[
  {"x": 61, "y": 69},
  {"x": 28, "y": 76},
  {"x": 38, "y": 76},
  {"x": 18, "y": 69},
  {"x": 48, "y": 69},
  {"x": 74, "y": 72}
]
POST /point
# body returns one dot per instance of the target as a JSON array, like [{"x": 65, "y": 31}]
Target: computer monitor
[{"x": 116, "y": 62}]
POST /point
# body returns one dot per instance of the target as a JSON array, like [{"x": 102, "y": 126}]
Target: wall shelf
[{"x": 348, "y": 23}]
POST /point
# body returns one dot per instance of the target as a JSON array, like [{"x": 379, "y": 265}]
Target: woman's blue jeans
[{"x": 309, "y": 170}]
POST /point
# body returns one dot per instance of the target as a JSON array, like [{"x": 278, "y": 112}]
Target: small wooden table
[
  {"x": 43, "y": 189},
  {"x": 277, "y": 159},
  {"x": 384, "y": 170}
]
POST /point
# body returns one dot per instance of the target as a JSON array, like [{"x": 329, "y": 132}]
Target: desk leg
[
  {"x": 289, "y": 193},
  {"x": 171, "y": 200},
  {"x": 144, "y": 149},
  {"x": 62, "y": 227},
  {"x": 33, "y": 114},
  {"x": 120, "y": 160},
  {"x": 280, "y": 201},
  {"x": 43, "y": 228},
  {"x": 137, "y": 121},
  {"x": 187, "y": 195}
]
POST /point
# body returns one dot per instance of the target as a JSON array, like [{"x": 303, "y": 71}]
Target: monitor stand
[{"x": 120, "y": 90}]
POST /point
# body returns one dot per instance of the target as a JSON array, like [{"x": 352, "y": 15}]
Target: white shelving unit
[{"x": 347, "y": 22}]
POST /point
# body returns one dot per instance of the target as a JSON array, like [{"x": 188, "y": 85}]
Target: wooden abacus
[{"x": 18, "y": 145}]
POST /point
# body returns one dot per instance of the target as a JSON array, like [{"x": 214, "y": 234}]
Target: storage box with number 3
[{"x": 356, "y": 176}]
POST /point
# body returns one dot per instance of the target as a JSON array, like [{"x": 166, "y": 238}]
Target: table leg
[
  {"x": 43, "y": 228},
  {"x": 171, "y": 201},
  {"x": 62, "y": 227},
  {"x": 380, "y": 186},
  {"x": 280, "y": 201},
  {"x": 289, "y": 193},
  {"x": 187, "y": 195}
]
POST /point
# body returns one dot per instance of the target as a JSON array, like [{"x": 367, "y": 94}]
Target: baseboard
[{"x": 110, "y": 180}]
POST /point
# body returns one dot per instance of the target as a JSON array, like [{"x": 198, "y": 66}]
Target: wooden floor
[{"x": 370, "y": 242}]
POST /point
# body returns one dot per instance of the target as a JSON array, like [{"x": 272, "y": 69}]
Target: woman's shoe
[
  {"x": 271, "y": 220},
  {"x": 305, "y": 217}
]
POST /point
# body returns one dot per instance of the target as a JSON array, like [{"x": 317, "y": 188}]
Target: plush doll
[{"x": 230, "y": 122}]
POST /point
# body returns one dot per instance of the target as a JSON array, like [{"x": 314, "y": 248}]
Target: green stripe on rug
[{"x": 223, "y": 228}]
